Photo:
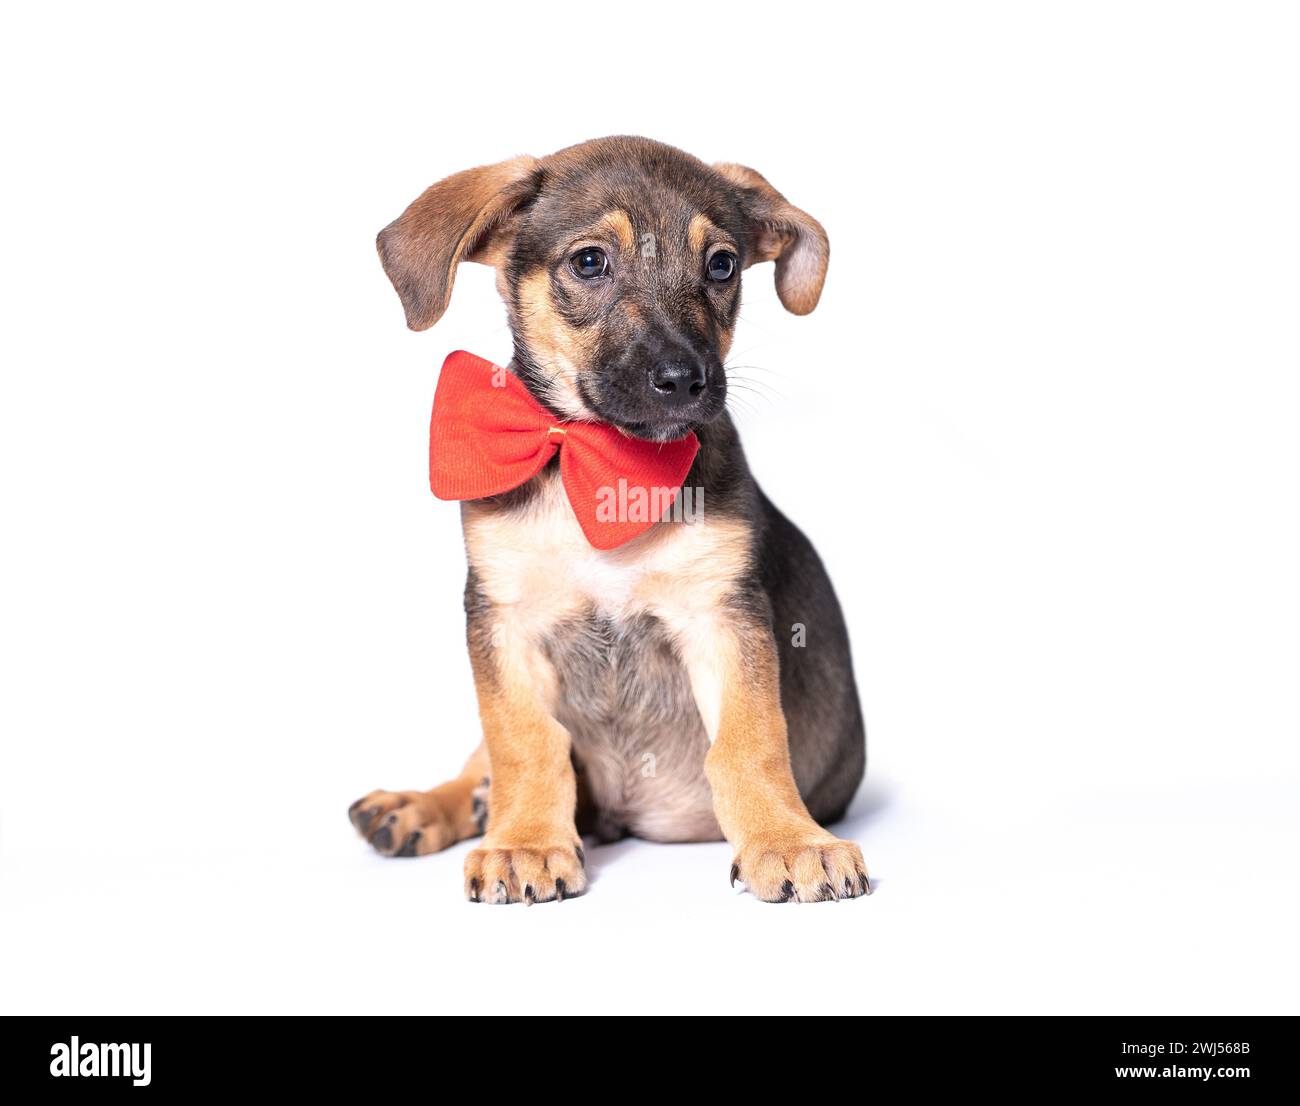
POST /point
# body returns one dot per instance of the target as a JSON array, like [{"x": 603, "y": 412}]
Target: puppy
[{"x": 692, "y": 682}]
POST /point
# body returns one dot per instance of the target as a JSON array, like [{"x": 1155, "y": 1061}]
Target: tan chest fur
[{"x": 534, "y": 562}]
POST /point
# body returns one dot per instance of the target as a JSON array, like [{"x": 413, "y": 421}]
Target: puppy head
[{"x": 619, "y": 261}]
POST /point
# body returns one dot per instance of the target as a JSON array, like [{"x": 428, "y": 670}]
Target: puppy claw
[
  {"x": 362, "y": 818},
  {"x": 411, "y": 843},
  {"x": 735, "y": 874}
]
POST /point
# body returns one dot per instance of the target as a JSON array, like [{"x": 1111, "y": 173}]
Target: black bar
[{"x": 342, "y": 1055}]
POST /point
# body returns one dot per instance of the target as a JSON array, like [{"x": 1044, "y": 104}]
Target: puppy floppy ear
[
  {"x": 458, "y": 219},
  {"x": 780, "y": 232}
]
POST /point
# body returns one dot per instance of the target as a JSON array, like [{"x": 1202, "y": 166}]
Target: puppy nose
[{"x": 678, "y": 382}]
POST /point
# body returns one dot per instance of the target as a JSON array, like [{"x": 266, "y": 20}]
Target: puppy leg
[
  {"x": 531, "y": 851},
  {"x": 781, "y": 853},
  {"x": 413, "y": 823}
]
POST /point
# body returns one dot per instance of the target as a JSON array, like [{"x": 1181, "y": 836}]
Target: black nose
[{"x": 678, "y": 383}]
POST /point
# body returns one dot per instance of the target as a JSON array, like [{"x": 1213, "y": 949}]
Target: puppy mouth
[{"x": 651, "y": 432}]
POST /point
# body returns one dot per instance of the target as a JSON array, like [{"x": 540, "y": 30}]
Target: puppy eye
[
  {"x": 722, "y": 265},
  {"x": 589, "y": 263}
]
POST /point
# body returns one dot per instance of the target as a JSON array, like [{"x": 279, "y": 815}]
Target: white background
[{"x": 1042, "y": 428}]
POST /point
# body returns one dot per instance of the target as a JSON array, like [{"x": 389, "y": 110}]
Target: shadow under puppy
[{"x": 663, "y": 686}]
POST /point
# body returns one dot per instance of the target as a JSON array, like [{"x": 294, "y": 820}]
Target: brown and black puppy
[{"x": 694, "y": 683}]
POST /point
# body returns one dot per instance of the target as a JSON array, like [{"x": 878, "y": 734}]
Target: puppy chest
[
  {"x": 535, "y": 563},
  {"x": 606, "y": 624}
]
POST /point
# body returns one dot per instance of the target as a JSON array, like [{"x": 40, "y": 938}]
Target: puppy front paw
[
  {"x": 802, "y": 869},
  {"x": 545, "y": 872},
  {"x": 402, "y": 823}
]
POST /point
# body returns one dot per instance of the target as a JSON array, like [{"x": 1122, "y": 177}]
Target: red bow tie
[{"x": 489, "y": 435}]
